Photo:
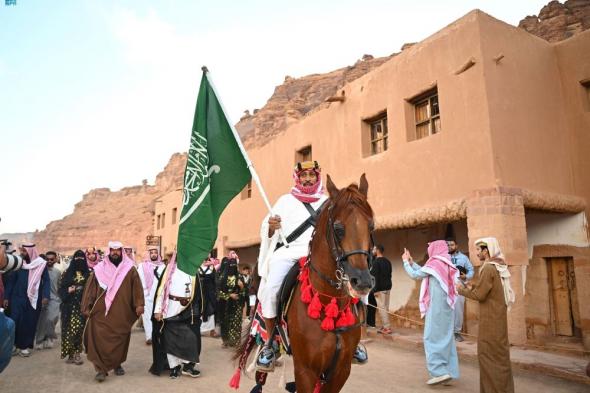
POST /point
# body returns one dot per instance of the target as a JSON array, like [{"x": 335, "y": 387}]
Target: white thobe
[
  {"x": 148, "y": 295},
  {"x": 181, "y": 285},
  {"x": 273, "y": 265}
]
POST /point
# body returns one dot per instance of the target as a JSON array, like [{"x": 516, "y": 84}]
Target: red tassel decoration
[
  {"x": 342, "y": 321},
  {"x": 315, "y": 307},
  {"x": 328, "y": 324},
  {"x": 304, "y": 276},
  {"x": 349, "y": 317},
  {"x": 331, "y": 309},
  {"x": 355, "y": 300},
  {"x": 318, "y": 387},
  {"x": 235, "y": 380},
  {"x": 306, "y": 293}
]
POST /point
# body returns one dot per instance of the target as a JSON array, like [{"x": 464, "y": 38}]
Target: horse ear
[
  {"x": 332, "y": 189},
  {"x": 364, "y": 185}
]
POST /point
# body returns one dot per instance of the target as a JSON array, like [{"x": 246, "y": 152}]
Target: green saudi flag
[{"x": 216, "y": 171}]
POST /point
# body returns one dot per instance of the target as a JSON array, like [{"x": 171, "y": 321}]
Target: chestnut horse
[{"x": 337, "y": 268}]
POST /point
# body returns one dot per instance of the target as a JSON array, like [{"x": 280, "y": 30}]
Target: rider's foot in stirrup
[
  {"x": 266, "y": 360},
  {"x": 360, "y": 355}
]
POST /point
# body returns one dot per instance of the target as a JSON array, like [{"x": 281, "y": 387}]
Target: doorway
[{"x": 565, "y": 310}]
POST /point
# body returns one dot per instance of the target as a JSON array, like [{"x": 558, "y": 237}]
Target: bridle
[{"x": 334, "y": 235}]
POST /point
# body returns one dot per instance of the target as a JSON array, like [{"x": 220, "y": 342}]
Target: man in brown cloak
[
  {"x": 495, "y": 296},
  {"x": 112, "y": 302}
]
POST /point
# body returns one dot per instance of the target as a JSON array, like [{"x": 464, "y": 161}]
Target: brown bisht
[
  {"x": 493, "y": 349},
  {"x": 106, "y": 337}
]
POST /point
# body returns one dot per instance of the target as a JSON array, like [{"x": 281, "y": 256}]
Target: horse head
[{"x": 349, "y": 227}]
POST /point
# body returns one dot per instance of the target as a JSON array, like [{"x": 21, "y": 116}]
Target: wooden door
[{"x": 562, "y": 302}]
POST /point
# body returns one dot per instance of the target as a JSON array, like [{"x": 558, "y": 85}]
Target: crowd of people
[
  {"x": 98, "y": 298},
  {"x": 101, "y": 296}
]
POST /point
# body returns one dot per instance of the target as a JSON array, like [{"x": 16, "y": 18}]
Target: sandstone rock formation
[
  {"x": 18, "y": 238},
  {"x": 296, "y": 98},
  {"x": 104, "y": 215},
  {"x": 557, "y": 21}
]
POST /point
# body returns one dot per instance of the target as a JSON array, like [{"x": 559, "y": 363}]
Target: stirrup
[
  {"x": 266, "y": 360},
  {"x": 360, "y": 355}
]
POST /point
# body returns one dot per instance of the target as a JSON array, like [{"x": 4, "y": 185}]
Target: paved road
[{"x": 390, "y": 370}]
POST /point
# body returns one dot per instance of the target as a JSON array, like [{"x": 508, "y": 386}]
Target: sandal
[{"x": 78, "y": 359}]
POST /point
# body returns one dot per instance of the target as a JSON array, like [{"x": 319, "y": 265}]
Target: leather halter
[{"x": 334, "y": 233}]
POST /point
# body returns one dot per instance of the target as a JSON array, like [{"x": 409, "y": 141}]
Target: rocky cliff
[
  {"x": 104, "y": 215},
  {"x": 557, "y": 21}
]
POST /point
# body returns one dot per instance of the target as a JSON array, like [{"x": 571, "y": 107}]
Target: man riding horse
[{"x": 294, "y": 213}]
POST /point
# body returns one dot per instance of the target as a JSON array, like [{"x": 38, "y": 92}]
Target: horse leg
[
  {"x": 305, "y": 379},
  {"x": 338, "y": 379}
]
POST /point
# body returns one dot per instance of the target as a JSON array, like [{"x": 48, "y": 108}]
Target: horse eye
[{"x": 339, "y": 230}]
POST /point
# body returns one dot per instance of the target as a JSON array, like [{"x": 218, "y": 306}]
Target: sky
[{"x": 102, "y": 93}]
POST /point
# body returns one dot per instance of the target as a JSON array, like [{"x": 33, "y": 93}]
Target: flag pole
[{"x": 249, "y": 164}]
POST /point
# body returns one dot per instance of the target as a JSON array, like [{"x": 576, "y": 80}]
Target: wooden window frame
[
  {"x": 381, "y": 120},
  {"x": 163, "y": 220},
  {"x": 304, "y": 154},
  {"x": 174, "y": 215},
  {"x": 428, "y": 98}
]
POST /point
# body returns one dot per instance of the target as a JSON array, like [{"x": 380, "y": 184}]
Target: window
[
  {"x": 426, "y": 114},
  {"x": 378, "y": 127},
  {"x": 586, "y": 85},
  {"x": 174, "y": 213},
  {"x": 303, "y": 154},
  {"x": 163, "y": 219},
  {"x": 158, "y": 222},
  {"x": 247, "y": 191}
]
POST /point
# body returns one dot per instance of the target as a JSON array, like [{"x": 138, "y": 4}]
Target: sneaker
[
  {"x": 100, "y": 377},
  {"x": 40, "y": 346},
  {"x": 78, "y": 359},
  {"x": 459, "y": 337},
  {"x": 266, "y": 360},
  {"x": 190, "y": 370},
  {"x": 437, "y": 380},
  {"x": 360, "y": 355},
  {"x": 25, "y": 353},
  {"x": 15, "y": 351},
  {"x": 48, "y": 344},
  {"x": 119, "y": 371},
  {"x": 175, "y": 372}
]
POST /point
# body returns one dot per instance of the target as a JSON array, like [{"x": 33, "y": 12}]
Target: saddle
[{"x": 285, "y": 296}]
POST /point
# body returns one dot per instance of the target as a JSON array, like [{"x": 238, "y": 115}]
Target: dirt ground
[{"x": 390, "y": 369}]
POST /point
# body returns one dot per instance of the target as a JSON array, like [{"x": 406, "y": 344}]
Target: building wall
[
  {"x": 573, "y": 56},
  {"x": 531, "y": 141},
  {"x": 410, "y": 174},
  {"x": 169, "y": 232}
]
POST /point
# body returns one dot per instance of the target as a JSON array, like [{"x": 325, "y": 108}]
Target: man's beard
[
  {"x": 26, "y": 257},
  {"x": 154, "y": 258},
  {"x": 115, "y": 259}
]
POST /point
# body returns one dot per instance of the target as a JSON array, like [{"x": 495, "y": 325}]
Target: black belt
[{"x": 183, "y": 300}]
